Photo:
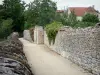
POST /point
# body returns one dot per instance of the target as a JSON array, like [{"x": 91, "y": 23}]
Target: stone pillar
[
  {"x": 39, "y": 35},
  {"x": 27, "y": 35},
  {"x": 35, "y": 34}
]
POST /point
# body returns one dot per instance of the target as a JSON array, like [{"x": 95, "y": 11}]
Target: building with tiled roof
[{"x": 81, "y": 11}]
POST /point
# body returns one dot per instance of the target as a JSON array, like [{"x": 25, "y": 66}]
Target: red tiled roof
[{"x": 80, "y": 11}]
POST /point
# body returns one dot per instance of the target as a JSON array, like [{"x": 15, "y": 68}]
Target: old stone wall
[
  {"x": 27, "y": 35},
  {"x": 12, "y": 58},
  {"x": 82, "y": 46},
  {"x": 38, "y": 35},
  {"x": 35, "y": 35}
]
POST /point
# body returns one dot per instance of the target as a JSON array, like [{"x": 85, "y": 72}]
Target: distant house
[{"x": 80, "y": 11}]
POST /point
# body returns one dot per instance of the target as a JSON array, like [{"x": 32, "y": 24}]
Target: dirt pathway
[{"x": 43, "y": 61}]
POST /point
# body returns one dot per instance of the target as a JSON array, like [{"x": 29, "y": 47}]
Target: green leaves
[
  {"x": 84, "y": 24},
  {"x": 68, "y": 20},
  {"x": 41, "y": 12},
  {"x": 5, "y": 28},
  {"x": 52, "y": 30},
  {"x": 71, "y": 20},
  {"x": 15, "y": 11},
  {"x": 90, "y": 18},
  {"x": 11, "y": 17}
]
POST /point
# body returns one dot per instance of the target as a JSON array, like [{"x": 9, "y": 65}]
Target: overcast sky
[{"x": 61, "y": 4}]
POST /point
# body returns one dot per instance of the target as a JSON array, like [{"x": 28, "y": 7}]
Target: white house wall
[{"x": 79, "y": 18}]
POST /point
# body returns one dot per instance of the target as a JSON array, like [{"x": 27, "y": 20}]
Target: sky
[{"x": 62, "y": 4}]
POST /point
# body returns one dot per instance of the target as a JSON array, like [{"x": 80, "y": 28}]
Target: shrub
[
  {"x": 65, "y": 19},
  {"x": 62, "y": 17},
  {"x": 90, "y": 18},
  {"x": 52, "y": 30},
  {"x": 84, "y": 24},
  {"x": 72, "y": 20},
  {"x": 5, "y": 28}
]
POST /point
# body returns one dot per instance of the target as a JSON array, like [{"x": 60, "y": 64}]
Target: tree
[
  {"x": 72, "y": 20},
  {"x": 41, "y": 12},
  {"x": 32, "y": 14},
  {"x": 47, "y": 13},
  {"x": 90, "y": 18},
  {"x": 15, "y": 10},
  {"x": 5, "y": 28},
  {"x": 69, "y": 20},
  {"x": 2, "y": 12},
  {"x": 62, "y": 17}
]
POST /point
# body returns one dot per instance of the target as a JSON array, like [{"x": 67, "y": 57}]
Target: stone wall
[
  {"x": 38, "y": 35},
  {"x": 35, "y": 35},
  {"x": 81, "y": 46},
  {"x": 12, "y": 58},
  {"x": 27, "y": 35}
]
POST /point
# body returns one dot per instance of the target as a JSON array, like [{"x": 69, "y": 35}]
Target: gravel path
[{"x": 44, "y": 61}]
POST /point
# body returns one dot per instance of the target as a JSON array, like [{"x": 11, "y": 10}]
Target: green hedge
[
  {"x": 52, "y": 30},
  {"x": 90, "y": 18},
  {"x": 84, "y": 24}
]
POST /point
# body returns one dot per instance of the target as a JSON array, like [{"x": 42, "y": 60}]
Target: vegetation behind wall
[
  {"x": 5, "y": 28},
  {"x": 71, "y": 20},
  {"x": 52, "y": 30},
  {"x": 40, "y": 12}
]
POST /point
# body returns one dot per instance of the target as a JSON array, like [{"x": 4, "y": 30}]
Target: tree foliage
[
  {"x": 62, "y": 17},
  {"x": 72, "y": 19},
  {"x": 11, "y": 17},
  {"x": 90, "y": 18},
  {"x": 14, "y": 9},
  {"x": 84, "y": 24},
  {"x": 40, "y": 12},
  {"x": 52, "y": 30},
  {"x": 65, "y": 19},
  {"x": 5, "y": 28},
  {"x": 32, "y": 14}
]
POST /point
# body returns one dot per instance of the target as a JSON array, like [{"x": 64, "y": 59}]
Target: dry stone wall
[
  {"x": 82, "y": 46},
  {"x": 12, "y": 58}
]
